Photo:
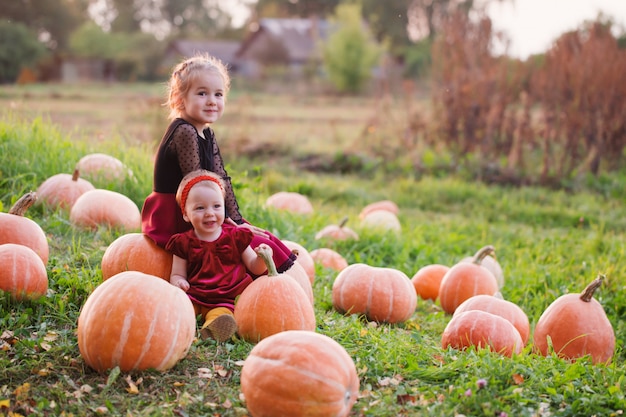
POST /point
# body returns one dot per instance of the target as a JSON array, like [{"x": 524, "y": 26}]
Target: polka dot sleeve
[{"x": 185, "y": 143}]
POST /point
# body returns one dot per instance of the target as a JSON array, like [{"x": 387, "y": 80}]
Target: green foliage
[
  {"x": 350, "y": 53},
  {"x": 19, "y": 49},
  {"x": 548, "y": 243}
]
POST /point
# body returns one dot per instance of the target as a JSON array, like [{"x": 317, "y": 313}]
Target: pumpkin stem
[
  {"x": 587, "y": 293},
  {"x": 21, "y": 205},
  {"x": 75, "y": 174},
  {"x": 343, "y": 222},
  {"x": 265, "y": 252},
  {"x": 483, "y": 253}
]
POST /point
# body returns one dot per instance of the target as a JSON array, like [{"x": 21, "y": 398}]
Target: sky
[{"x": 532, "y": 25}]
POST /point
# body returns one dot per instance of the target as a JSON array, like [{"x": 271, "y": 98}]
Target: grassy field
[{"x": 548, "y": 243}]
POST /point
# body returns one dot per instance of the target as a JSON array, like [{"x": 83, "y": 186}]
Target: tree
[
  {"x": 20, "y": 49},
  {"x": 350, "y": 52}
]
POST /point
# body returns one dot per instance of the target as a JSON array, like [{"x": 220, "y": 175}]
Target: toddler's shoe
[{"x": 220, "y": 329}]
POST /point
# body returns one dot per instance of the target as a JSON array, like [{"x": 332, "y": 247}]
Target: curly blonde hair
[{"x": 183, "y": 75}]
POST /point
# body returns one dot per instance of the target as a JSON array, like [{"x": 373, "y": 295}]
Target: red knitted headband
[{"x": 191, "y": 183}]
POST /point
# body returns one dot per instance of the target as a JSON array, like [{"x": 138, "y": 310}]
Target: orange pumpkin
[
  {"x": 577, "y": 326},
  {"x": 62, "y": 190},
  {"x": 290, "y": 201},
  {"x": 337, "y": 232},
  {"x": 271, "y": 304},
  {"x": 298, "y": 273},
  {"x": 428, "y": 279},
  {"x": 15, "y": 228},
  {"x": 105, "y": 208},
  {"x": 381, "y": 294},
  {"x": 483, "y": 330},
  {"x": 136, "y": 252},
  {"x": 299, "y": 373},
  {"x": 491, "y": 264},
  {"x": 22, "y": 272},
  {"x": 116, "y": 329},
  {"x": 466, "y": 279},
  {"x": 102, "y": 167},
  {"x": 381, "y": 220},
  {"x": 387, "y": 205},
  {"x": 304, "y": 258},
  {"x": 329, "y": 258},
  {"x": 500, "y": 307}
]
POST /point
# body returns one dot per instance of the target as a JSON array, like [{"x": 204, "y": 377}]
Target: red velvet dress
[
  {"x": 181, "y": 151},
  {"x": 215, "y": 270}
]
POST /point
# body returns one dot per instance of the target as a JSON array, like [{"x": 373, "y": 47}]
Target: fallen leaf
[
  {"x": 518, "y": 379},
  {"x": 132, "y": 387},
  {"x": 205, "y": 373}
]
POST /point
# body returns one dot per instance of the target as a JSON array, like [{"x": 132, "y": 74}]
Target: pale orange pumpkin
[
  {"x": 337, "y": 232},
  {"x": 16, "y": 228},
  {"x": 381, "y": 220},
  {"x": 466, "y": 279},
  {"x": 500, "y": 307},
  {"x": 427, "y": 280},
  {"x": 106, "y": 208},
  {"x": 482, "y": 330},
  {"x": 329, "y": 258},
  {"x": 62, "y": 190},
  {"x": 387, "y": 205},
  {"x": 22, "y": 272},
  {"x": 298, "y": 273},
  {"x": 299, "y": 373},
  {"x": 290, "y": 201},
  {"x": 304, "y": 258},
  {"x": 135, "y": 321},
  {"x": 381, "y": 294},
  {"x": 491, "y": 264},
  {"x": 136, "y": 252},
  {"x": 271, "y": 304},
  {"x": 577, "y": 325},
  {"x": 102, "y": 167}
]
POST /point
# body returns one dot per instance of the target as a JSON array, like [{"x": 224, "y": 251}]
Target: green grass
[{"x": 547, "y": 242}]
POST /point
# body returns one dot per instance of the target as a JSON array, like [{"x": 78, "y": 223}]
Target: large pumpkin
[
  {"x": 427, "y": 280},
  {"x": 62, "y": 190},
  {"x": 15, "y": 228},
  {"x": 381, "y": 294},
  {"x": 490, "y": 262},
  {"x": 290, "y": 201},
  {"x": 136, "y": 252},
  {"x": 483, "y": 330},
  {"x": 387, "y": 205},
  {"x": 105, "y": 208},
  {"x": 329, "y": 258},
  {"x": 102, "y": 167},
  {"x": 22, "y": 272},
  {"x": 381, "y": 221},
  {"x": 298, "y": 273},
  {"x": 576, "y": 325},
  {"x": 271, "y": 304},
  {"x": 304, "y": 258},
  {"x": 135, "y": 321},
  {"x": 500, "y": 307},
  {"x": 466, "y": 279},
  {"x": 297, "y": 374}
]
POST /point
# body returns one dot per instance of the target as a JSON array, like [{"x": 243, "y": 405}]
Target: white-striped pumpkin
[{"x": 135, "y": 321}]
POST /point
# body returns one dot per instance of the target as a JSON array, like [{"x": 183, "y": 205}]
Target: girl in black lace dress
[{"x": 197, "y": 96}]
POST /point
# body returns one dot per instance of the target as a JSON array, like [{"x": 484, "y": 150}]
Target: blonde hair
[
  {"x": 183, "y": 75},
  {"x": 193, "y": 178}
]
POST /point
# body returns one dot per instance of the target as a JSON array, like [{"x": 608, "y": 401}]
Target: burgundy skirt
[{"x": 161, "y": 218}]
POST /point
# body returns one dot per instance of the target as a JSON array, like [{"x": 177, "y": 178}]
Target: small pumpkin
[
  {"x": 577, "y": 325},
  {"x": 116, "y": 329},
  {"x": 381, "y": 294},
  {"x": 329, "y": 258},
  {"x": 427, "y": 280},
  {"x": 136, "y": 252},
  {"x": 299, "y": 373},
  {"x": 16, "y": 228},
  {"x": 304, "y": 258},
  {"x": 271, "y": 304},
  {"x": 102, "y": 167},
  {"x": 381, "y": 220},
  {"x": 483, "y": 330},
  {"x": 107, "y": 208},
  {"x": 290, "y": 201},
  {"x": 22, "y": 272},
  {"x": 466, "y": 279},
  {"x": 337, "y": 232},
  {"x": 500, "y": 307},
  {"x": 491, "y": 264},
  {"x": 62, "y": 190},
  {"x": 387, "y": 205}
]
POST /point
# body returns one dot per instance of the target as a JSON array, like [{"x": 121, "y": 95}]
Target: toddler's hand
[{"x": 179, "y": 282}]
